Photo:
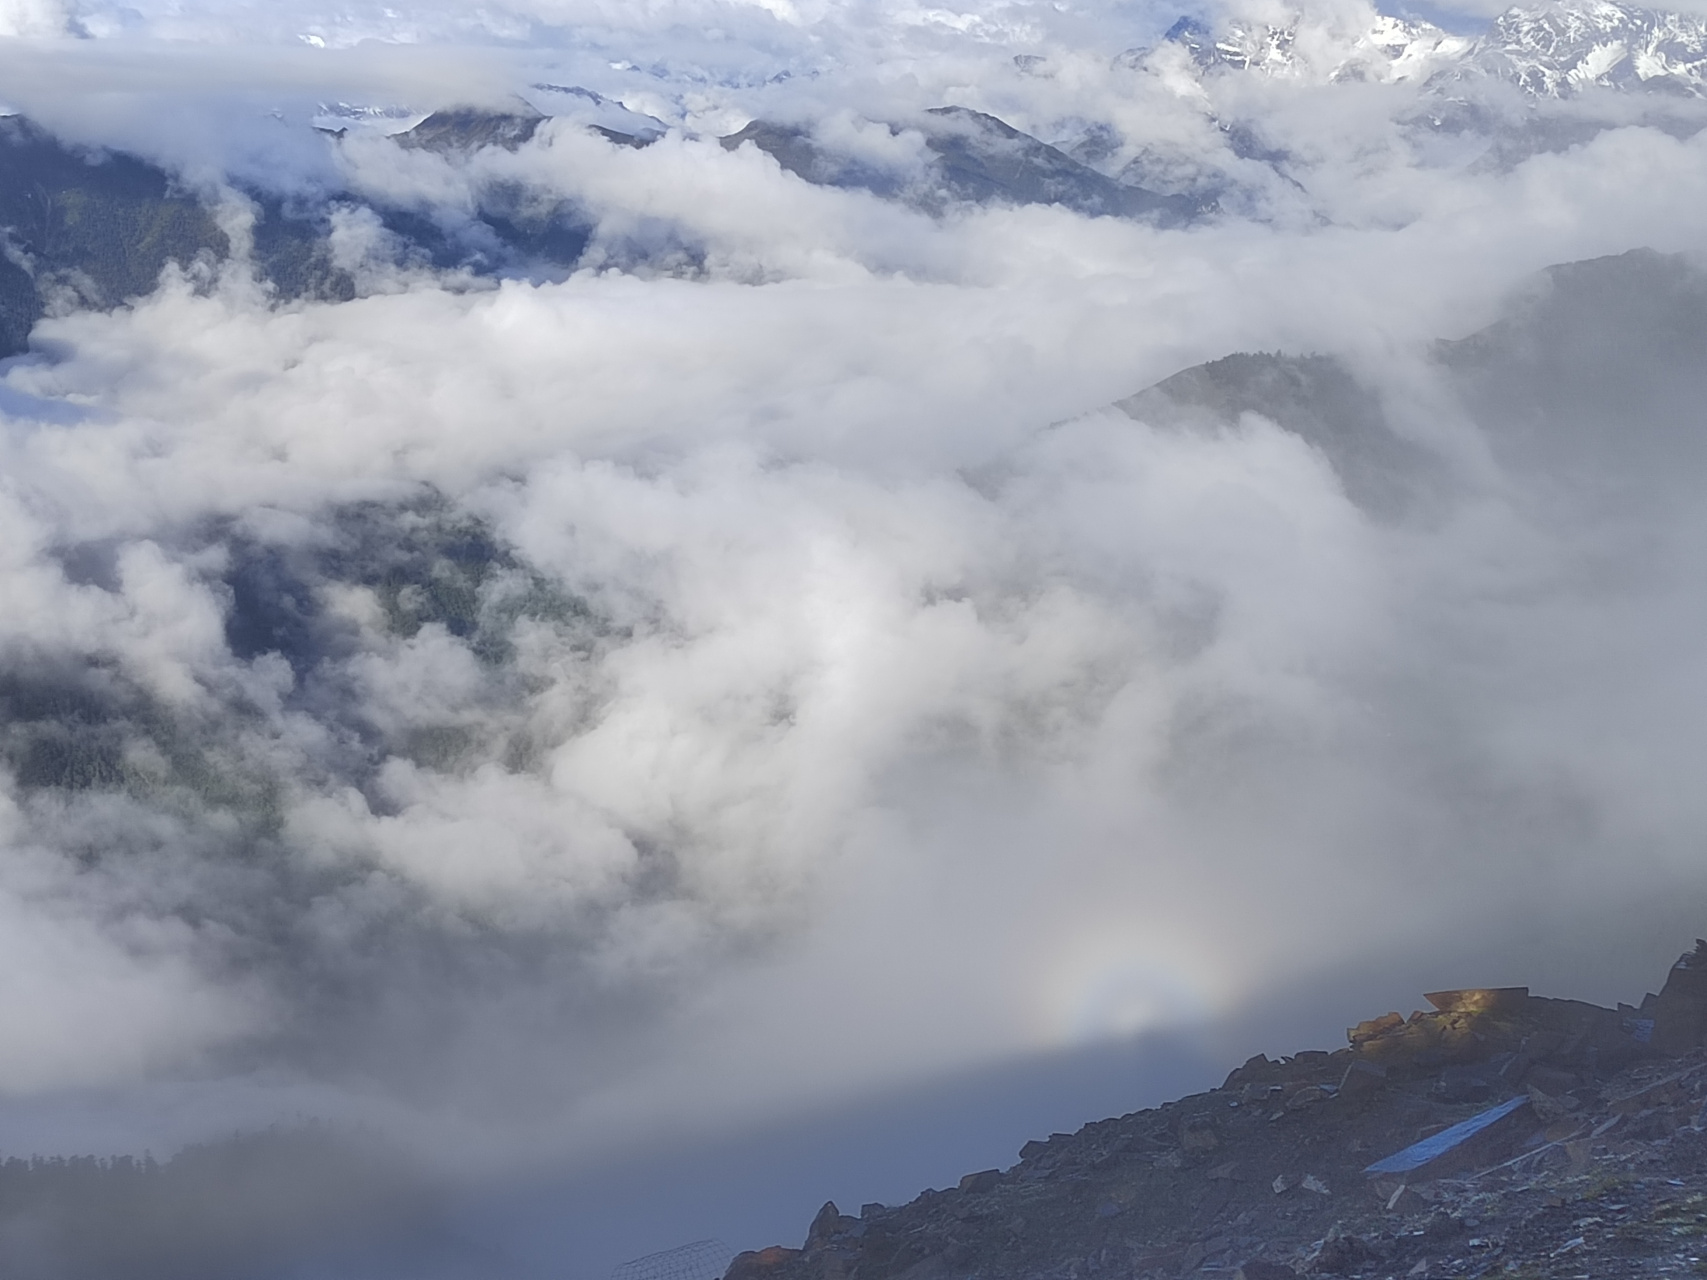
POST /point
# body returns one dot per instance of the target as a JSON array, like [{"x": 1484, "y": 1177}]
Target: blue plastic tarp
[{"x": 1421, "y": 1154}]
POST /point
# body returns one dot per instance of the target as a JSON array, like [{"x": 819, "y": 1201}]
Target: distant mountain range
[
  {"x": 1551, "y": 50},
  {"x": 1571, "y": 46},
  {"x": 1469, "y": 88},
  {"x": 973, "y": 158},
  {"x": 91, "y": 228}
]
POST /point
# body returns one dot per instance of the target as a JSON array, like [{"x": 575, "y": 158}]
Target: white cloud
[
  {"x": 32, "y": 18},
  {"x": 97, "y": 994},
  {"x": 856, "y": 648}
]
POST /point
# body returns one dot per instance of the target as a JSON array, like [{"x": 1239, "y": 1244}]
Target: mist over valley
[{"x": 615, "y": 619}]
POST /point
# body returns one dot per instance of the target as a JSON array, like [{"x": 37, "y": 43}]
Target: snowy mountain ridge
[
  {"x": 1550, "y": 50},
  {"x": 1563, "y": 47},
  {"x": 1389, "y": 48}
]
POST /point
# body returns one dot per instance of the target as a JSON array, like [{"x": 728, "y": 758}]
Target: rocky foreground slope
[{"x": 1496, "y": 1133}]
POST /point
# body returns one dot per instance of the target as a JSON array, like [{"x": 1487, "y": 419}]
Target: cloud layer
[{"x": 758, "y": 664}]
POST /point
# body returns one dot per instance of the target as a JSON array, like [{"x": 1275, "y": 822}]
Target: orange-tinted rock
[
  {"x": 1480, "y": 1000},
  {"x": 760, "y": 1264},
  {"x": 830, "y": 1223},
  {"x": 1374, "y": 1027}
]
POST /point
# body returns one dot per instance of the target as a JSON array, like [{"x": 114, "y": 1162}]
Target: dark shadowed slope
[
  {"x": 98, "y": 227},
  {"x": 974, "y": 159},
  {"x": 1598, "y": 374},
  {"x": 93, "y": 228},
  {"x": 469, "y": 129},
  {"x": 1315, "y": 397},
  {"x": 1497, "y": 1132},
  {"x": 1595, "y": 380}
]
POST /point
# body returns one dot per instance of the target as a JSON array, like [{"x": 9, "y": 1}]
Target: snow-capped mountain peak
[
  {"x": 1370, "y": 46},
  {"x": 1573, "y": 44},
  {"x": 1552, "y": 49}
]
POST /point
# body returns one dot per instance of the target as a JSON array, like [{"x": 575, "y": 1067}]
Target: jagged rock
[
  {"x": 1254, "y": 1072},
  {"x": 1647, "y": 1126},
  {"x": 1680, "y": 1010},
  {"x": 1553, "y": 1081},
  {"x": 760, "y": 1264},
  {"x": 1362, "y": 1080},
  {"x": 1257, "y": 1269},
  {"x": 830, "y": 1223},
  {"x": 1374, "y": 1027},
  {"x": 1688, "y": 1151},
  {"x": 1406, "y": 1199},
  {"x": 1256, "y": 1095},
  {"x": 1667, "y": 1091},
  {"x": 1338, "y": 1255},
  {"x": 1197, "y": 1133},
  {"x": 986, "y": 1180},
  {"x": 1308, "y": 1096},
  {"x": 1548, "y": 1108},
  {"x": 1470, "y": 1083}
]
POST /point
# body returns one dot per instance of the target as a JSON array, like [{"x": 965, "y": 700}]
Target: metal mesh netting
[{"x": 701, "y": 1260}]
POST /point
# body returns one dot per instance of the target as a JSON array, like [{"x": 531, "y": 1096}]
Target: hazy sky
[{"x": 903, "y": 711}]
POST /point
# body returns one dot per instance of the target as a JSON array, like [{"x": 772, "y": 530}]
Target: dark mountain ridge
[
  {"x": 975, "y": 158},
  {"x": 1593, "y": 380},
  {"x": 1495, "y": 1132},
  {"x": 98, "y": 226},
  {"x": 91, "y": 227}
]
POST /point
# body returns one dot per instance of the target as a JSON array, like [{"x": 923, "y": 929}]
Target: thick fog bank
[{"x": 668, "y": 595}]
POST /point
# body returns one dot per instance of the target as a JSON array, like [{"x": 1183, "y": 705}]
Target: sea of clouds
[{"x": 848, "y": 695}]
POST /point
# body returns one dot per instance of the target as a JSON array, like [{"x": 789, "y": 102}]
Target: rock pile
[{"x": 1496, "y": 1133}]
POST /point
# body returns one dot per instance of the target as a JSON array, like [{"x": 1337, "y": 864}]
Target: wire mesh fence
[{"x": 701, "y": 1260}]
